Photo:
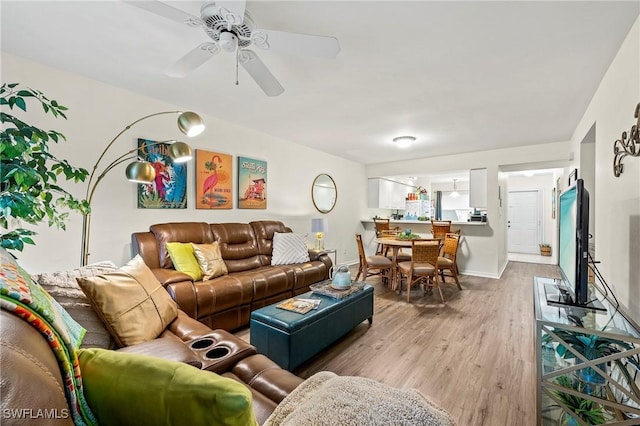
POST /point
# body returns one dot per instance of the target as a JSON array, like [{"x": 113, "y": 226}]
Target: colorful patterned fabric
[{"x": 25, "y": 299}]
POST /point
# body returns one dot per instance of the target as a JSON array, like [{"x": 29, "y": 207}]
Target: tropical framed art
[
  {"x": 214, "y": 180},
  {"x": 169, "y": 188},
  {"x": 252, "y": 183}
]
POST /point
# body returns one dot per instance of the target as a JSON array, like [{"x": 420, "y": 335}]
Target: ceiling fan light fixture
[
  {"x": 228, "y": 41},
  {"x": 404, "y": 141}
]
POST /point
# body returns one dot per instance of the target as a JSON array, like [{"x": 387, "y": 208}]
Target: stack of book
[{"x": 299, "y": 305}]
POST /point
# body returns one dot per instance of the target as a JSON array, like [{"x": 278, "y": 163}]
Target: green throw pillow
[
  {"x": 126, "y": 388},
  {"x": 184, "y": 259}
]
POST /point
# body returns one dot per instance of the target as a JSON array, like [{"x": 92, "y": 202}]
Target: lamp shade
[
  {"x": 180, "y": 152},
  {"x": 190, "y": 123},
  {"x": 319, "y": 225},
  {"x": 140, "y": 172}
]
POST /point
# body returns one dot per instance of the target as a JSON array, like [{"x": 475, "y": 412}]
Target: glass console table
[{"x": 588, "y": 362}]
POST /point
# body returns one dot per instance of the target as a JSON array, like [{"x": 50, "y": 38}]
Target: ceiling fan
[{"x": 232, "y": 29}]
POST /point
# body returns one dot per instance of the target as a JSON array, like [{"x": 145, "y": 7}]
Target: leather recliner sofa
[
  {"x": 226, "y": 302},
  {"x": 32, "y": 386}
]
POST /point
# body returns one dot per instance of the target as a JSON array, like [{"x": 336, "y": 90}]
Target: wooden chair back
[
  {"x": 361, "y": 255},
  {"x": 439, "y": 228},
  {"x": 451, "y": 242},
  {"x": 425, "y": 251},
  {"x": 381, "y": 225}
]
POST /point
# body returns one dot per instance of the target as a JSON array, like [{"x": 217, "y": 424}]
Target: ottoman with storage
[{"x": 290, "y": 338}]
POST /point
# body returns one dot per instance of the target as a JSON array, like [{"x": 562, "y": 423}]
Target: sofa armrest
[
  {"x": 180, "y": 287},
  {"x": 314, "y": 254},
  {"x": 267, "y": 377},
  {"x": 166, "y": 348},
  {"x": 186, "y": 328}
]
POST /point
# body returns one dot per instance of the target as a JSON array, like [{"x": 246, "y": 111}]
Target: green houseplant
[
  {"x": 589, "y": 411},
  {"x": 29, "y": 172}
]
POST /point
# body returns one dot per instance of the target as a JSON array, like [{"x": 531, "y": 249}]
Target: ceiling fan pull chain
[{"x": 237, "y": 60}]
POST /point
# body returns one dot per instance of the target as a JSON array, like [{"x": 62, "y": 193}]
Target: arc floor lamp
[{"x": 189, "y": 123}]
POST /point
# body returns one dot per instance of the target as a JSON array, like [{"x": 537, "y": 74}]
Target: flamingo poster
[
  {"x": 214, "y": 180},
  {"x": 169, "y": 187},
  {"x": 252, "y": 183}
]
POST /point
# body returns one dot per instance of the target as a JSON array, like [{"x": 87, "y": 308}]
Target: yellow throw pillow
[
  {"x": 210, "y": 260},
  {"x": 184, "y": 259},
  {"x": 131, "y": 302}
]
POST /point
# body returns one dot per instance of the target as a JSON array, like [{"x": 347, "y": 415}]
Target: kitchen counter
[{"x": 426, "y": 222}]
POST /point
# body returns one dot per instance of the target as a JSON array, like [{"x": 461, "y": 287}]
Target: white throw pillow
[{"x": 289, "y": 248}]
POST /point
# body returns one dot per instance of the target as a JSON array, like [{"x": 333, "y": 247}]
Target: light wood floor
[{"x": 473, "y": 356}]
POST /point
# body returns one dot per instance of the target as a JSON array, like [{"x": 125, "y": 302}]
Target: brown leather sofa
[
  {"x": 31, "y": 380},
  {"x": 226, "y": 302}
]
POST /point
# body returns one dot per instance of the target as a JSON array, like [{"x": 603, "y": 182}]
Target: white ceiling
[{"x": 460, "y": 76}]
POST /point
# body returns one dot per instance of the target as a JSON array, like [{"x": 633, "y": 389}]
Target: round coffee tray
[{"x": 340, "y": 288}]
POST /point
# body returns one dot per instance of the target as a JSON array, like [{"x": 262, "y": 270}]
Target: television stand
[
  {"x": 557, "y": 294},
  {"x": 570, "y": 372}
]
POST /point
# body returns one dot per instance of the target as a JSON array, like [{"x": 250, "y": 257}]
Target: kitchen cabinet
[
  {"x": 387, "y": 194},
  {"x": 478, "y": 188}
]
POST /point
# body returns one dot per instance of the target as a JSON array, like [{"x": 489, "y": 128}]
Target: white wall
[
  {"x": 617, "y": 206},
  {"x": 97, "y": 112}
]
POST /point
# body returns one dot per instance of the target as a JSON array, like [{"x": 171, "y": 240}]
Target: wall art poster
[
  {"x": 214, "y": 181},
  {"x": 252, "y": 183},
  {"x": 169, "y": 188}
]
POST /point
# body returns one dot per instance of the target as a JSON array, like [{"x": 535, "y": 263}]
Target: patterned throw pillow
[
  {"x": 210, "y": 260},
  {"x": 64, "y": 288},
  {"x": 289, "y": 248}
]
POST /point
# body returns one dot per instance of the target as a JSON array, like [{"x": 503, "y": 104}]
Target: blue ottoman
[{"x": 290, "y": 338}]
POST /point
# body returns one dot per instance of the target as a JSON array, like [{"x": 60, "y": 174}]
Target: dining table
[{"x": 395, "y": 244}]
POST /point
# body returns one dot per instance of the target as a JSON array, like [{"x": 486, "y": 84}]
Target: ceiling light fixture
[
  {"x": 455, "y": 193},
  {"x": 404, "y": 141}
]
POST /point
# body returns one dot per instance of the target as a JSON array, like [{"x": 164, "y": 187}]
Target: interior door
[{"x": 523, "y": 222}]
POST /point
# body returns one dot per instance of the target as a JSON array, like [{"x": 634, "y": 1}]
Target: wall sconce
[
  {"x": 138, "y": 171},
  {"x": 623, "y": 146}
]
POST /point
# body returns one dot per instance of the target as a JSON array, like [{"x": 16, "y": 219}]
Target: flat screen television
[{"x": 573, "y": 249}]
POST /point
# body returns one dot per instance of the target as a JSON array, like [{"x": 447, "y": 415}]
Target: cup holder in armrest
[
  {"x": 217, "y": 352},
  {"x": 202, "y": 343}
]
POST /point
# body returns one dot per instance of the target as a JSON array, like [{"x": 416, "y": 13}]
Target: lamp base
[{"x": 319, "y": 243}]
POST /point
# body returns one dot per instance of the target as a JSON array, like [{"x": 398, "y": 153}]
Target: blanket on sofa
[
  {"x": 328, "y": 399},
  {"x": 22, "y": 297}
]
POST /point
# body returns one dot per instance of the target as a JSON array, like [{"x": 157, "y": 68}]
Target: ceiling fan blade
[
  {"x": 232, "y": 10},
  {"x": 302, "y": 44},
  {"x": 259, "y": 72},
  {"x": 192, "y": 60},
  {"x": 166, "y": 11}
]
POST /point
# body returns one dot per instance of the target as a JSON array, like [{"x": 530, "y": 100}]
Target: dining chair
[
  {"x": 423, "y": 266},
  {"x": 382, "y": 226},
  {"x": 447, "y": 262},
  {"x": 372, "y": 265},
  {"x": 439, "y": 228}
]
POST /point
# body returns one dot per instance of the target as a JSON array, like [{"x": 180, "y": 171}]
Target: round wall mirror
[{"x": 324, "y": 193}]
